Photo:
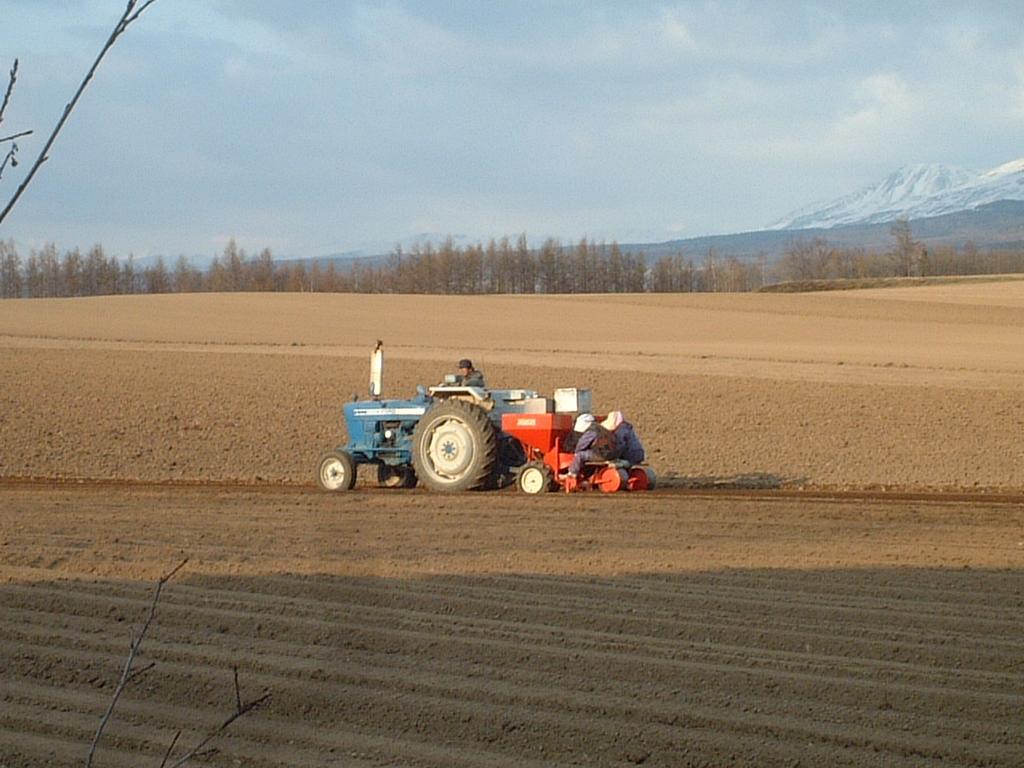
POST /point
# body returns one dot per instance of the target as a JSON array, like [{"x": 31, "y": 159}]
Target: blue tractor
[{"x": 447, "y": 437}]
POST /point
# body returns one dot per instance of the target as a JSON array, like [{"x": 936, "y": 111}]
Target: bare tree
[
  {"x": 10, "y": 271},
  {"x": 908, "y": 250},
  {"x": 132, "y": 12}
]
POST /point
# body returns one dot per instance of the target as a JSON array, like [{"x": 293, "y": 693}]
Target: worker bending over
[{"x": 627, "y": 444}]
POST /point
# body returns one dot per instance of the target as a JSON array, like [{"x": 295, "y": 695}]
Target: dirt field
[
  {"x": 920, "y": 388},
  {"x": 692, "y": 626},
  {"x": 403, "y": 629}
]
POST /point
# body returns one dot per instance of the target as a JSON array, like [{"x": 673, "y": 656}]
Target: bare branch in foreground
[
  {"x": 14, "y": 136},
  {"x": 170, "y": 748},
  {"x": 131, "y": 4},
  {"x": 131, "y": 13},
  {"x": 243, "y": 709},
  {"x": 10, "y": 157},
  {"x": 10, "y": 89},
  {"x": 127, "y": 675}
]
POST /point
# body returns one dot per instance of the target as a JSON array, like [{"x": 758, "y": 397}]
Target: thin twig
[
  {"x": 133, "y": 647},
  {"x": 9, "y": 158},
  {"x": 138, "y": 13},
  {"x": 130, "y": 15},
  {"x": 167, "y": 754},
  {"x": 10, "y": 89},
  {"x": 242, "y": 710},
  {"x": 141, "y": 671},
  {"x": 14, "y": 136}
]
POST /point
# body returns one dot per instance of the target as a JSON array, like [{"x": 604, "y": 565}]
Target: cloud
[
  {"x": 676, "y": 32},
  {"x": 335, "y": 121},
  {"x": 201, "y": 20},
  {"x": 1017, "y": 98},
  {"x": 884, "y": 104}
]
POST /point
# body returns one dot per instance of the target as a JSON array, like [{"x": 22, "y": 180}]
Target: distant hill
[
  {"x": 998, "y": 225},
  {"x": 946, "y": 206},
  {"x": 995, "y": 225}
]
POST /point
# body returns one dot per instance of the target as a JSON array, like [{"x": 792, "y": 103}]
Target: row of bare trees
[
  {"x": 501, "y": 266},
  {"x": 817, "y": 259},
  {"x": 505, "y": 267}
]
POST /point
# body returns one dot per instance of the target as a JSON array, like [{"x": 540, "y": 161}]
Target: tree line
[
  {"x": 501, "y": 266},
  {"x": 817, "y": 259}
]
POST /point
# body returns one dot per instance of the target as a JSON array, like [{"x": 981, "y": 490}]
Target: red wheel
[
  {"x": 641, "y": 479},
  {"x": 610, "y": 479},
  {"x": 637, "y": 479}
]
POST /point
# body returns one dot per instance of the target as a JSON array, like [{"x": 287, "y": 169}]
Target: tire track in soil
[{"x": 864, "y": 665}]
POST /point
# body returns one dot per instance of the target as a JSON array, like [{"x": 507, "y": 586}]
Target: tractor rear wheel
[
  {"x": 454, "y": 447},
  {"x": 336, "y": 471}
]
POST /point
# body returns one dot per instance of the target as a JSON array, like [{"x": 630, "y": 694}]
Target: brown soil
[
  {"x": 410, "y": 628},
  {"x": 920, "y": 388},
  {"x": 404, "y": 628}
]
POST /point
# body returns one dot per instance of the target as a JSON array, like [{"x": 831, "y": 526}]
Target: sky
[{"x": 325, "y": 126}]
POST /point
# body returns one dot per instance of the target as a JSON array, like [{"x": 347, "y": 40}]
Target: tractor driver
[{"x": 468, "y": 375}]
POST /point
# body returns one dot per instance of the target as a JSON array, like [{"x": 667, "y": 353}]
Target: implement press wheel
[
  {"x": 534, "y": 478},
  {"x": 610, "y": 479}
]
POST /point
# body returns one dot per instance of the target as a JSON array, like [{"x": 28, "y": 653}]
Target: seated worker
[
  {"x": 627, "y": 444},
  {"x": 595, "y": 444},
  {"x": 582, "y": 423},
  {"x": 468, "y": 375}
]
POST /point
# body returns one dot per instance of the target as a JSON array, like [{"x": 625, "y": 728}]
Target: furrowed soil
[
  {"x": 399, "y": 628},
  {"x": 831, "y": 573}
]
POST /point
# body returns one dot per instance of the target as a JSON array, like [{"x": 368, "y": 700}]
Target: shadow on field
[
  {"x": 746, "y": 481},
  {"x": 855, "y": 667}
]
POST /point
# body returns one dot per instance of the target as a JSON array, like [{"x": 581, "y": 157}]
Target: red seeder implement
[{"x": 542, "y": 435}]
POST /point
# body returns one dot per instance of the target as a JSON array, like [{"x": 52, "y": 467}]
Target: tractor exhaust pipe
[{"x": 377, "y": 370}]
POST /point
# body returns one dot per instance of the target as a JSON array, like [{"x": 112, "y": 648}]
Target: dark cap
[{"x": 465, "y": 363}]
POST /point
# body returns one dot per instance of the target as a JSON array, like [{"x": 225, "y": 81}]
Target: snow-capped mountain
[{"x": 914, "y": 192}]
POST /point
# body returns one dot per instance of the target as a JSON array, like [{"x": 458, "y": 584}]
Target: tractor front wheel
[
  {"x": 337, "y": 471},
  {"x": 455, "y": 447}
]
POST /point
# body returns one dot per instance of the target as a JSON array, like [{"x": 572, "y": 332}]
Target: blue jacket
[
  {"x": 590, "y": 448},
  {"x": 628, "y": 445}
]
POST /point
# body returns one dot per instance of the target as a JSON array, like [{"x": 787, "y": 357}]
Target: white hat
[
  {"x": 613, "y": 420},
  {"x": 583, "y": 422}
]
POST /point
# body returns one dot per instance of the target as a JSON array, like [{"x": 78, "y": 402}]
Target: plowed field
[
  {"x": 403, "y": 629},
  {"x": 877, "y": 619}
]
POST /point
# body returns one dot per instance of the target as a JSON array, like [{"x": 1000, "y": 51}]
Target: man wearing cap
[
  {"x": 627, "y": 444},
  {"x": 581, "y": 425},
  {"x": 596, "y": 443},
  {"x": 468, "y": 375}
]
